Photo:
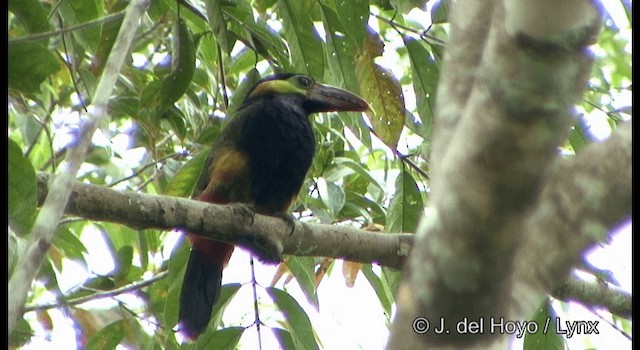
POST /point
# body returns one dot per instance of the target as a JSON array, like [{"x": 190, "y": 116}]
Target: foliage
[{"x": 189, "y": 68}]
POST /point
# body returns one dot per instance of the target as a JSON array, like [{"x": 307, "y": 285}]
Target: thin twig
[
  {"x": 70, "y": 63},
  {"x": 613, "y": 325},
  {"x": 257, "y": 321},
  {"x": 98, "y": 295},
  {"x": 422, "y": 33},
  {"x": 52, "y": 162},
  {"x": 222, "y": 79},
  {"x": 405, "y": 159},
  {"x": 148, "y": 181},
  {"x": 95, "y": 22},
  {"x": 122, "y": 305},
  {"x": 146, "y": 166}
]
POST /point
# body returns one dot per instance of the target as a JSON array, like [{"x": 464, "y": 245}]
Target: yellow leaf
[
  {"x": 383, "y": 92},
  {"x": 44, "y": 319},
  {"x": 322, "y": 269},
  {"x": 282, "y": 269},
  {"x": 350, "y": 272}
]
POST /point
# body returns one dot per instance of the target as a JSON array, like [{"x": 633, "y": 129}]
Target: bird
[{"x": 260, "y": 159}]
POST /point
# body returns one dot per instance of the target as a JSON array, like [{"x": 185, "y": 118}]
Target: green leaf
[
  {"x": 208, "y": 52},
  {"x": 21, "y": 334},
  {"x": 260, "y": 37},
  {"x": 92, "y": 286},
  {"x": 226, "y": 338},
  {"x": 176, "y": 119},
  {"x": 425, "y": 74},
  {"x": 123, "y": 263},
  {"x": 405, "y": 209},
  {"x": 627, "y": 8},
  {"x": 358, "y": 205},
  {"x": 382, "y": 4},
  {"x": 78, "y": 12},
  {"x": 340, "y": 59},
  {"x": 241, "y": 92},
  {"x": 227, "y": 292},
  {"x": 210, "y": 133},
  {"x": 30, "y": 64},
  {"x": 15, "y": 248},
  {"x": 123, "y": 106},
  {"x": 284, "y": 338},
  {"x": 332, "y": 196},
  {"x": 117, "y": 236},
  {"x": 186, "y": 179},
  {"x": 108, "y": 36},
  {"x": 392, "y": 279},
  {"x": 218, "y": 24},
  {"x": 354, "y": 15},
  {"x": 547, "y": 337},
  {"x": 440, "y": 12},
  {"x": 47, "y": 274},
  {"x": 41, "y": 153},
  {"x": 108, "y": 337},
  {"x": 244, "y": 61},
  {"x": 68, "y": 242},
  {"x": 183, "y": 65},
  {"x": 99, "y": 155},
  {"x": 359, "y": 169},
  {"x": 307, "y": 54},
  {"x": 177, "y": 266},
  {"x": 22, "y": 191},
  {"x": 12, "y": 252},
  {"x": 380, "y": 286},
  {"x": 303, "y": 269},
  {"x": 340, "y": 50},
  {"x": 319, "y": 210},
  {"x": 158, "y": 294},
  {"x": 32, "y": 15},
  {"x": 404, "y": 6},
  {"x": 382, "y": 90},
  {"x": 149, "y": 243},
  {"x": 263, "y": 5},
  {"x": 578, "y": 136},
  {"x": 297, "y": 320},
  {"x": 625, "y": 325}
]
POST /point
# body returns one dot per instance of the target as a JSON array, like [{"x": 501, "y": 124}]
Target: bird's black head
[{"x": 314, "y": 97}]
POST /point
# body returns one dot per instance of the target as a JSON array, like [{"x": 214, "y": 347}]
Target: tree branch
[
  {"x": 104, "y": 204},
  {"x": 584, "y": 198},
  {"x": 268, "y": 237},
  {"x": 595, "y": 294},
  {"x": 504, "y": 101}
]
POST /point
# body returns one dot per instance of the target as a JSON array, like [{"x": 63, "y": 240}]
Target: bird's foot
[
  {"x": 247, "y": 211},
  {"x": 289, "y": 218}
]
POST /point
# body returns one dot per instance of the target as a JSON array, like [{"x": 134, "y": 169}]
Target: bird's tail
[{"x": 202, "y": 283}]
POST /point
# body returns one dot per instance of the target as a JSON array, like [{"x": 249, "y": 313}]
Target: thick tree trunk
[{"x": 512, "y": 72}]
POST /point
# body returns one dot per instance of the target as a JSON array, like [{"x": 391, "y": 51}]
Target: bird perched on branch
[{"x": 261, "y": 159}]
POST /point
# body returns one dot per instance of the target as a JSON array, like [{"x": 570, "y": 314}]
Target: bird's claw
[
  {"x": 247, "y": 211},
  {"x": 289, "y": 218}
]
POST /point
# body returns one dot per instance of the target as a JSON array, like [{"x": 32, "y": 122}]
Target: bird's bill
[{"x": 325, "y": 98}]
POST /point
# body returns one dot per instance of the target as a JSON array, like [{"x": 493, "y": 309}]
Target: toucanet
[{"x": 261, "y": 159}]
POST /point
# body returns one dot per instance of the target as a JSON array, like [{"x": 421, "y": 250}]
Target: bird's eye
[{"x": 305, "y": 81}]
